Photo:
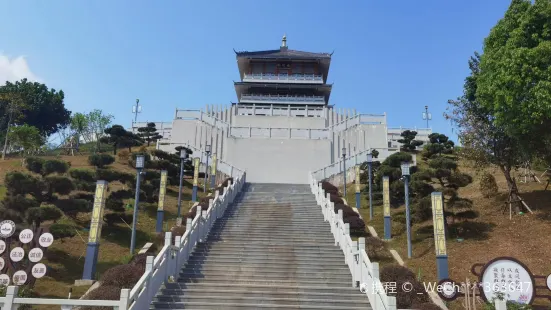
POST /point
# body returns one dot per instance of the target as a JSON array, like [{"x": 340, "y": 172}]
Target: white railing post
[
  {"x": 501, "y": 304},
  {"x": 178, "y": 246},
  {"x": 326, "y": 206},
  {"x": 339, "y": 228},
  {"x": 203, "y": 231},
  {"x": 345, "y": 234},
  {"x": 352, "y": 262},
  {"x": 11, "y": 294},
  {"x": 123, "y": 301},
  {"x": 149, "y": 269}
]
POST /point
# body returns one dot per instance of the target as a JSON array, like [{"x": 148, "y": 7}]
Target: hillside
[
  {"x": 65, "y": 258},
  {"x": 491, "y": 234}
]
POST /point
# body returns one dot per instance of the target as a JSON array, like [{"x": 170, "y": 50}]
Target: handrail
[
  {"x": 165, "y": 267},
  {"x": 283, "y": 98},
  {"x": 283, "y": 77},
  {"x": 365, "y": 273}
]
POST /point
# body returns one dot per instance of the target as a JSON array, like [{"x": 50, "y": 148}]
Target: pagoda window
[
  {"x": 270, "y": 68},
  {"x": 308, "y": 69},
  {"x": 257, "y": 68}
]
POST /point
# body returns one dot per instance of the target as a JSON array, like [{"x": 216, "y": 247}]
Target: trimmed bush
[
  {"x": 34, "y": 164},
  {"x": 488, "y": 185},
  {"x": 336, "y": 199},
  {"x": 103, "y": 292},
  {"x": 226, "y": 181},
  {"x": 85, "y": 186},
  {"x": 62, "y": 231},
  {"x": 399, "y": 275},
  {"x": 114, "y": 204},
  {"x": 375, "y": 247},
  {"x": 100, "y": 160},
  {"x": 123, "y": 155},
  {"x": 122, "y": 194},
  {"x": 84, "y": 196},
  {"x": 427, "y": 306},
  {"x": 54, "y": 165},
  {"x": 85, "y": 175},
  {"x": 192, "y": 213},
  {"x": 18, "y": 183},
  {"x": 422, "y": 210},
  {"x": 59, "y": 184},
  {"x": 347, "y": 211},
  {"x": 329, "y": 188},
  {"x": 122, "y": 276},
  {"x": 114, "y": 218},
  {"x": 71, "y": 207},
  {"x": 357, "y": 225}
]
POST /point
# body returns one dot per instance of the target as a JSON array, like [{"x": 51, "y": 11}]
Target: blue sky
[{"x": 390, "y": 56}]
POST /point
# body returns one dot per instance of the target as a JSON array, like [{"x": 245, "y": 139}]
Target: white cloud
[{"x": 15, "y": 69}]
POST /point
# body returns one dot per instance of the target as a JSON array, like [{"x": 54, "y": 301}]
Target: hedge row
[{"x": 351, "y": 217}]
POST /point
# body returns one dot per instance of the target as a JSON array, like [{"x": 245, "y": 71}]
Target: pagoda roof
[{"x": 282, "y": 53}]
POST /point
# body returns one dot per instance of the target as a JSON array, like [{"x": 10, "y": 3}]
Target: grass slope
[
  {"x": 66, "y": 259},
  {"x": 491, "y": 235}
]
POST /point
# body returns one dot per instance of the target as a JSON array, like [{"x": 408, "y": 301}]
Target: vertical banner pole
[
  {"x": 213, "y": 172},
  {"x": 357, "y": 187},
  {"x": 92, "y": 248},
  {"x": 161, "y": 205},
  {"x": 196, "y": 162},
  {"x": 439, "y": 235},
  {"x": 386, "y": 208}
]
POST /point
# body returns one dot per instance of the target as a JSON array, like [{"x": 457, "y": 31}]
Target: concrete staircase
[{"x": 271, "y": 250}]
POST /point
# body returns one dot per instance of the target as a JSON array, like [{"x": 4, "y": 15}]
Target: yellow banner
[
  {"x": 386, "y": 197},
  {"x": 213, "y": 165},
  {"x": 196, "y": 171},
  {"x": 357, "y": 179},
  {"x": 97, "y": 212},
  {"x": 162, "y": 190},
  {"x": 438, "y": 223}
]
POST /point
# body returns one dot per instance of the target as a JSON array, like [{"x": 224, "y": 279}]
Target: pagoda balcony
[
  {"x": 286, "y": 78},
  {"x": 282, "y": 99}
]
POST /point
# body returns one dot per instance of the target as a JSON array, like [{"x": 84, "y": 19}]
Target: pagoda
[{"x": 283, "y": 78}]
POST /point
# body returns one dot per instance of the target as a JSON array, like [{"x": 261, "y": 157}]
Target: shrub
[
  {"x": 122, "y": 276},
  {"x": 329, "y": 188},
  {"x": 54, "y": 165},
  {"x": 139, "y": 260},
  {"x": 62, "y": 231},
  {"x": 395, "y": 160},
  {"x": 83, "y": 196},
  {"x": 114, "y": 218},
  {"x": 73, "y": 206},
  {"x": 427, "y": 306},
  {"x": 421, "y": 188},
  {"x": 18, "y": 183},
  {"x": 43, "y": 213},
  {"x": 114, "y": 204},
  {"x": 375, "y": 247},
  {"x": 399, "y": 275},
  {"x": 226, "y": 181},
  {"x": 85, "y": 186},
  {"x": 34, "y": 164},
  {"x": 123, "y": 155},
  {"x": 357, "y": 225},
  {"x": 347, "y": 211},
  {"x": 488, "y": 185},
  {"x": 422, "y": 210},
  {"x": 85, "y": 175},
  {"x": 122, "y": 194},
  {"x": 60, "y": 185},
  {"x": 100, "y": 160},
  {"x": 335, "y": 198},
  {"x": 192, "y": 213}
]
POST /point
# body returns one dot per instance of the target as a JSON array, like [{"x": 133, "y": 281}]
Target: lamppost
[
  {"x": 344, "y": 168},
  {"x": 183, "y": 158},
  {"x": 405, "y": 177},
  {"x": 207, "y": 151},
  {"x": 369, "y": 162},
  {"x": 140, "y": 162}
]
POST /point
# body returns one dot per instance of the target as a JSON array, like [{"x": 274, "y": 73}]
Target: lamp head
[
  {"x": 207, "y": 148},
  {"x": 183, "y": 154},
  {"x": 140, "y": 161},
  {"x": 405, "y": 168},
  {"x": 343, "y": 152},
  {"x": 369, "y": 158}
]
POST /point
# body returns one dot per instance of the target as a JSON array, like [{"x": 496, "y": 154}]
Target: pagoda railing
[
  {"x": 288, "y": 78},
  {"x": 289, "y": 110},
  {"x": 252, "y": 98}
]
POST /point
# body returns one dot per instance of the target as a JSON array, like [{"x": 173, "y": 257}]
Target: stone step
[
  {"x": 302, "y": 226},
  {"x": 293, "y": 241},
  {"x": 299, "y": 301},
  {"x": 310, "y": 288},
  {"x": 270, "y": 246},
  {"x": 254, "y": 234},
  {"x": 274, "y": 263},
  {"x": 226, "y": 255},
  {"x": 250, "y": 306},
  {"x": 282, "y": 267},
  {"x": 254, "y": 292},
  {"x": 221, "y": 280},
  {"x": 289, "y": 274}
]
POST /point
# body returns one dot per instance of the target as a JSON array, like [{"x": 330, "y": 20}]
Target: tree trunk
[
  {"x": 6, "y": 139},
  {"x": 114, "y": 149},
  {"x": 512, "y": 187}
]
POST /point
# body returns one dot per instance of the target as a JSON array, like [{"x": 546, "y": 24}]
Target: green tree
[
  {"x": 80, "y": 128},
  {"x": 149, "y": 133},
  {"x": 25, "y": 138},
  {"x": 409, "y": 144},
  {"x": 118, "y": 137},
  {"x": 11, "y": 105},
  {"x": 97, "y": 123},
  {"x": 438, "y": 144},
  {"x": 44, "y": 108}
]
